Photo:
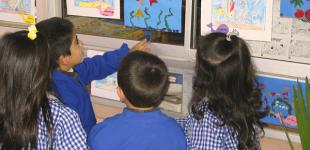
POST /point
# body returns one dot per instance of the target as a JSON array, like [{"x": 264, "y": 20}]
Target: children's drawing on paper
[
  {"x": 245, "y": 14},
  {"x": 256, "y": 47},
  {"x": 277, "y": 96},
  {"x": 300, "y": 50},
  {"x": 300, "y": 28},
  {"x": 277, "y": 48},
  {"x": 282, "y": 26},
  {"x": 162, "y": 15},
  {"x": 94, "y": 8},
  {"x": 173, "y": 99},
  {"x": 252, "y": 18},
  {"x": 106, "y": 87},
  {"x": 10, "y": 9},
  {"x": 299, "y": 9}
]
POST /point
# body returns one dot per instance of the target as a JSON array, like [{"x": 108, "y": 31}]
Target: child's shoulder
[{"x": 60, "y": 112}]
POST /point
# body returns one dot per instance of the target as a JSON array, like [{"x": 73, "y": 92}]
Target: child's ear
[
  {"x": 120, "y": 94},
  {"x": 63, "y": 60}
]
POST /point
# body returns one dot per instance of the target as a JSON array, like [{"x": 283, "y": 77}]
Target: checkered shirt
[
  {"x": 207, "y": 134},
  {"x": 68, "y": 132}
]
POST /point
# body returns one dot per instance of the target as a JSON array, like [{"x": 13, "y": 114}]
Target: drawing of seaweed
[
  {"x": 146, "y": 18},
  {"x": 159, "y": 18},
  {"x": 166, "y": 20},
  {"x": 131, "y": 17}
]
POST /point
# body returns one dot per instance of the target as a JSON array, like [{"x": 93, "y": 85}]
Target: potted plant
[{"x": 302, "y": 110}]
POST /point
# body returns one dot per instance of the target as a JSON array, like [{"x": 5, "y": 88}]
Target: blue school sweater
[
  {"x": 133, "y": 130},
  {"x": 71, "y": 88}
]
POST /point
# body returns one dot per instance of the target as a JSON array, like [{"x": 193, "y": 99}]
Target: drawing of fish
[
  {"x": 275, "y": 94},
  {"x": 108, "y": 11},
  {"x": 139, "y": 13},
  {"x": 153, "y": 1},
  {"x": 289, "y": 120},
  {"x": 223, "y": 28}
]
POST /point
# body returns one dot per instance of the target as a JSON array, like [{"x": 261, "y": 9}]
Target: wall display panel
[
  {"x": 94, "y": 8},
  {"x": 10, "y": 10}
]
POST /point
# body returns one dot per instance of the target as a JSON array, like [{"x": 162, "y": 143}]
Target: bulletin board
[{"x": 290, "y": 42}]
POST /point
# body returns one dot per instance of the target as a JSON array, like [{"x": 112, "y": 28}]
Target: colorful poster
[
  {"x": 162, "y": 15},
  {"x": 94, "y": 8},
  {"x": 10, "y": 10},
  {"x": 277, "y": 96},
  {"x": 251, "y": 18},
  {"x": 296, "y": 9}
]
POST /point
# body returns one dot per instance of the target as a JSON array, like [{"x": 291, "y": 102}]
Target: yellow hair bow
[{"x": 30, "y": 19}]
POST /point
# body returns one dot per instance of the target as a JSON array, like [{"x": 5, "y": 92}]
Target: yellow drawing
[
  {"x": 95, "y": 4},
  {"x": 219, "y": 11},
  {"x": 139, "y": 13}
]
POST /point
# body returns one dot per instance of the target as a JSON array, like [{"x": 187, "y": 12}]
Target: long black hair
[
  {"x": 24, "y": 80},
  {"x": 225, "y": 83},
  {"x": 59, "y": 33}
]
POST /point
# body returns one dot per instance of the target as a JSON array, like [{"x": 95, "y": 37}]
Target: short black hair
[
  {"x": 143, "y": 77},
  {"x": 59, "y": 33}
]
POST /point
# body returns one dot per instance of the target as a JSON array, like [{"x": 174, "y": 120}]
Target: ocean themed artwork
[
  {"x": 10, "y": 10},
  {"x": 251, "y": 18},
  {"x": 161, "y": 15},
  {"x": 299, "y": 9},
  {"x": 277, "y": 96},
  {"x": 94, "y": 8}
]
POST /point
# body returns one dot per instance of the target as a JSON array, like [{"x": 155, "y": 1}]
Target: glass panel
[{"x": 115, "y": 28}]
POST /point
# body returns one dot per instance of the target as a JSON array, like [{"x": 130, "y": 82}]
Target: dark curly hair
[{"x": 225, "y": 81}]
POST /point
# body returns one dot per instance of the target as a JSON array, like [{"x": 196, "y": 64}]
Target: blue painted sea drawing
[
  {"x": 277, "y": 96},
  {"x": 295, "y": 9},
  {"x": 242, "y": 14},
  {"x": 15, "y": 6},
  {"x": 162, "y": 15}
]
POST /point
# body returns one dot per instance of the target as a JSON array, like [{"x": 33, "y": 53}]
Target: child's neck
[
  {"x": 63, "y": 68},
  {"x": 131, "y": 107}
]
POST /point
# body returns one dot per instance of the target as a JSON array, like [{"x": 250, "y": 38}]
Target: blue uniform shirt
[
  {"x": 133, "y": 130},
  {"x": 72, "y": 90}
]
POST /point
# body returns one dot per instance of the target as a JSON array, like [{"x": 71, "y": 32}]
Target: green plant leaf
[
  {"x": 302, "y": 113},
  {"x": 307, "y": 101}
]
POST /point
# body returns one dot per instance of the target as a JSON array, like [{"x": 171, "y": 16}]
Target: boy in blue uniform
[
  {"x": 143, "y": 82},
  {"x": 67, "y": 54}
]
